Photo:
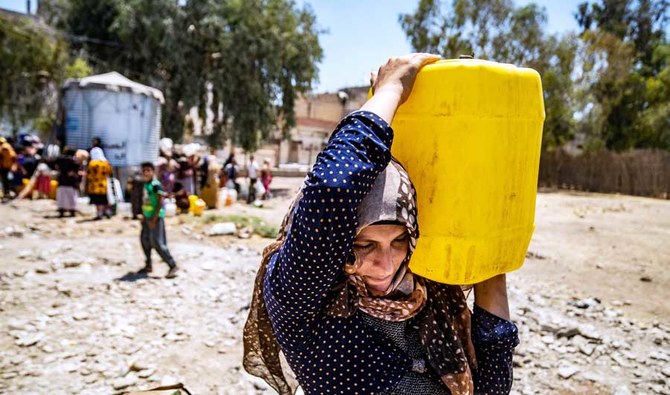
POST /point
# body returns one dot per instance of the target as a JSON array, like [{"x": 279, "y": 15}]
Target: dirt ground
[{"x": 591, "y": 301}]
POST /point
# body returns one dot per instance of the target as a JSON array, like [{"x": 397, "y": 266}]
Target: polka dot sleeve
[
  {"x": 324, "y": 223},
  {"x": 494, "y": 339}
]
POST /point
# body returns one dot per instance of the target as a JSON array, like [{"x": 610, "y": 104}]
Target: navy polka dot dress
[{"x": 336, "y": 355}]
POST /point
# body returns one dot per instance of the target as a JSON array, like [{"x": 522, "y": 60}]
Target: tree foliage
[
  {"x": 499, "y": 31},
  {"x": 613, "y": 74},
  {"x": 242, "y": 63},
  {"x": 32, "y": 61},
  {"x": 626, "y": 68}
]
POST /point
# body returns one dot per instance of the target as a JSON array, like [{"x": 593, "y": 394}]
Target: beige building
[{"x": 316, "y": 117}]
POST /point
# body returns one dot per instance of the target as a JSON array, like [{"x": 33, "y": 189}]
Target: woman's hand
[
  {"x": 491, "y": 295},
  {"x": 393, "y": 83}
]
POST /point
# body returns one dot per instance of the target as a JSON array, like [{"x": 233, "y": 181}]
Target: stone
[
  {"x": 623, "y": 390},
  {"x": 16, "y": 324},
  {"x": 567, "y": 371},
  {"x": 244, "y": 233},
  {"x": 146, "y": 373},
  {"x": 71, "y": 367},
  {"x": 611, "y": 314},
  {"x": 666, "y": 371},
  {"x": 124, "y": 382},
  {"x": 585, "y": 303},
  {"x": 209, "y": 343},
  {"x": 222, "y": 228},
  {"x": 30, "y": 339},
  {"x": 72, "y": 262},
  {"x": 48, "y": 348},
  {"x": 551, "y": 328},
  {"x": 568, "y": 332},
  {"x": 13, "y": 231},
  {"x": 80, "y": 316},
  {"x": 620, "y": 360},
  {"x": 587, "y": 349},
  {"x": 659, "y": 356},
  {"x": 589, "y": 332},
  {"x": 136, "y": 366}
]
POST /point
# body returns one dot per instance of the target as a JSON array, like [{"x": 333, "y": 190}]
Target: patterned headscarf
[
  {"x": 391, "y": 199},
  {"x": 441, "y": 311}
]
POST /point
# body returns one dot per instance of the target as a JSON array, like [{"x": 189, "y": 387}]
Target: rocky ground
[{"x": 590, "y": 302}]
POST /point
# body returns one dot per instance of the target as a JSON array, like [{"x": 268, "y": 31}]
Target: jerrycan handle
[{"x": 470, "y": 56}]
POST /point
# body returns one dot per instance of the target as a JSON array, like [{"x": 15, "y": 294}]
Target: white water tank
[{"x": 124, "y": 114}]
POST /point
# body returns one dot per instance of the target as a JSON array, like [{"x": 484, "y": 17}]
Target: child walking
[{"x": 153, "y": 224}]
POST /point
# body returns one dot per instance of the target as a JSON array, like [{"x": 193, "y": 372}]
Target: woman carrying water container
[{"x": 335, "y": 297}]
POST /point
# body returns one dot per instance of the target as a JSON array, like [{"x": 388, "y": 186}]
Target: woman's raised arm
[{"x": 321, "y": 233}]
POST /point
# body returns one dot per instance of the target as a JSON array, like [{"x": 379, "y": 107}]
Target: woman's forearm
[
  {"x": 491, "y": 295},
  {"x": 384, "y": 103},
  {"x": 323, "y": 227}
]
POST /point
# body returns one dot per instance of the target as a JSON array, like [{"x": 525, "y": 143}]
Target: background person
[
  {"x": 153, "y": 223},
  {"x": 252, "y": 173},
  {"x": 232, "y": 170},
  {"x": 266, "y": 178},
  {"x": 97, "y": 174},
  {"x": 8, "y": 164},
  {"x": 185, "y": 174},
  {"x": 69, "y": 169},
  {"x": 43, "y": 175}
]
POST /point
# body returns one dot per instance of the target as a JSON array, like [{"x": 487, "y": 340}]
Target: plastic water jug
[
  {"x": 199, "y": 207},
  {"x": 191, "y": 202},
  {"x": 170, "y": 207},
  {"x": 470, "y": 136}
]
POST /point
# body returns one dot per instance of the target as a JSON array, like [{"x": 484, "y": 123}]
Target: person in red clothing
[{"x": 266, "y": 178}]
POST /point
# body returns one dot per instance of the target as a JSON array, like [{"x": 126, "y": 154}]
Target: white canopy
[{"x": 116, "y": 82}]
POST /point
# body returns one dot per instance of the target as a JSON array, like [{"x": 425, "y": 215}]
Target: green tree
[
  {"x": 154, "y": 51},
  {"x": 499, "y": 31},
  {"x": 242, "y": 61},
  {"x": 257, "y": 55},
  {"x": 78, "y": 68},
  {"x": 32, "y": 60},
  {"x": 141, "y": 39},
  {"x": 625, "y": 73}
]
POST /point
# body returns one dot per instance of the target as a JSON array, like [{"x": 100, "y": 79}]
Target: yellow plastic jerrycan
[
  {"x": 191, "y": 202},
  {"x": 469, "y": 136},
  {"x": 199, "y": 207},
  {"x": 54, "y": 188}
]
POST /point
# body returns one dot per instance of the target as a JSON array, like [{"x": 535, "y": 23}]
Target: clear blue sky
[{"x": 364, "y": 33}]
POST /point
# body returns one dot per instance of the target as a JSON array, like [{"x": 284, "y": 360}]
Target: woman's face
[{"x": 381, "y": 250}]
